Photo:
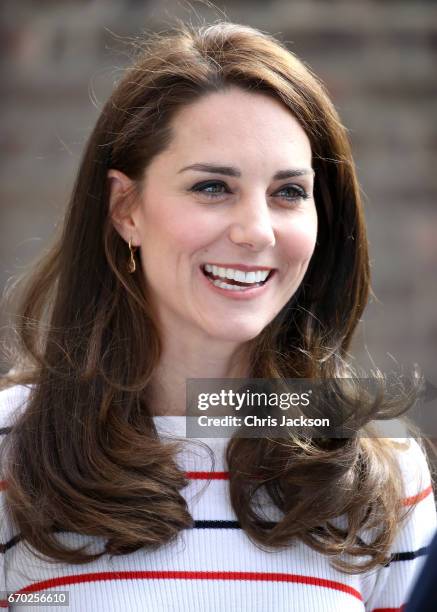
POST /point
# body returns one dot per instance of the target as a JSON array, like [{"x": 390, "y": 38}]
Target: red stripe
[
  {"x": 414, "y": 499},
  {"x": 180, "y": 575},
  {"x": 408, "y": 501},
  {"x": 401, "y": 609},
  {"x": 207, "y": 475}
]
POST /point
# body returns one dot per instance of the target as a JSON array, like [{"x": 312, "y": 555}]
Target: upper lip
[{"x": 238, "y": 266}]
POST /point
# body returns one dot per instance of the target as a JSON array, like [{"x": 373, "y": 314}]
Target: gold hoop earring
[{"x": 131, "y": 266}]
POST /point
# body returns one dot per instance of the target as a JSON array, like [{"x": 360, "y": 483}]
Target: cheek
[
  {"x": 179, "y": 229},
  {"x": 300, "y": 241},
  {"x": 191, "y": 235}
]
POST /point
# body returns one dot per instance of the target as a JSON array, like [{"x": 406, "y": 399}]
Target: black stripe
[
  {"x": 219, "y": 524},
  {"x": 10, "y": 543},
  {"x": 5, "y": 430},
  {"x": 216, "y": 525},
  {"x": 409, "y": 555}
]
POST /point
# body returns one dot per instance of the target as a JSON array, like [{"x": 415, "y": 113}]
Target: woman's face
[{"x": 230, "y": 197}]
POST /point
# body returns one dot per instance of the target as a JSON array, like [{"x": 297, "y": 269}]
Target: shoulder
[
  {"x": 12, "y": 403},
  {"x": 392, "y": 583},
  {"x": 414, "y": 467}
]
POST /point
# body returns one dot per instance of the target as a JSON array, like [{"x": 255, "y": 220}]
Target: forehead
[{"x": 239, "y": 123}]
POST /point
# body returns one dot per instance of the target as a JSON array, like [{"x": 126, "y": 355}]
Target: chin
[{"x": 238, "y": 333}]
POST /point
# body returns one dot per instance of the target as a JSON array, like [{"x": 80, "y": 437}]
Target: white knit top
[{"x": 214, "y": 566}]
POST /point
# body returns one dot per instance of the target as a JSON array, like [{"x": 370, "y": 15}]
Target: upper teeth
[{"x": 238, "y": 275}]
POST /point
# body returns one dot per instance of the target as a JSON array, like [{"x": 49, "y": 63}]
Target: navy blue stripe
[
  {"x": 10, "y": 543},
  {"x": 218, "y": 524},
  {"x": 409, "y": 555}
]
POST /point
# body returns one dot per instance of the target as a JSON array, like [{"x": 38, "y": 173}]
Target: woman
[{"x": 215, "y": 231}]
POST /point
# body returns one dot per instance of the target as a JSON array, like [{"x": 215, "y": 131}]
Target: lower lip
[{"x": 246, "y": 294}]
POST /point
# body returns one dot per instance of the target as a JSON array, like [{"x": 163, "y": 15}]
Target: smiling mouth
[{"x": 226, "y": 283}]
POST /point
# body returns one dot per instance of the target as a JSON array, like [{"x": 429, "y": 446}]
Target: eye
[
  {"x": 294, "y": 193},
  {"x": 211, "y": 189}
]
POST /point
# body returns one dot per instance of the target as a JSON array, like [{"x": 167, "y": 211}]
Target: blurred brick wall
[{"x": 59, "y": 61}]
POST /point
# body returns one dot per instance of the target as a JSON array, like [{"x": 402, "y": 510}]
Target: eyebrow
[{"x": 231, "y": 171}]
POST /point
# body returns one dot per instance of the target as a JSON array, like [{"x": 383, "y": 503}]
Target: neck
[{"x": 181, "y": 360}]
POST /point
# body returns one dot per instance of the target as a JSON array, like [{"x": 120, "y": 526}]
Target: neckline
[{"x": 176, "y": 426}]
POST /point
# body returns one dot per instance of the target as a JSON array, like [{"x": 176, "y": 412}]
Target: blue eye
[
  {"x": 216, "y": 189},
  {"x": 297, "y": 193},
  {"x": 205, "y": 189}
]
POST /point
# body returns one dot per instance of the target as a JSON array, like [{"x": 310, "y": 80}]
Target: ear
[{"x": 121, "y": 199}]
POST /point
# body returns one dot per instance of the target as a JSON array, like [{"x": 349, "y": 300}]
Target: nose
[{"x": 252, "y": 225}]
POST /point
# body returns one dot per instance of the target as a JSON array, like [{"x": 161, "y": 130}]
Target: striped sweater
[{"x": 214, "y": 566}]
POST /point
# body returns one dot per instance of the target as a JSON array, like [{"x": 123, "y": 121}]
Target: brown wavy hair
[{"x": 85, "y": 455}]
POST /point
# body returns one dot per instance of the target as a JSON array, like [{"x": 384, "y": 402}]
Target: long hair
[{"x": 84, "y": 455}]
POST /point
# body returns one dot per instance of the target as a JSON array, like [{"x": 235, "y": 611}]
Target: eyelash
[{"x": 300, "y": 193}]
